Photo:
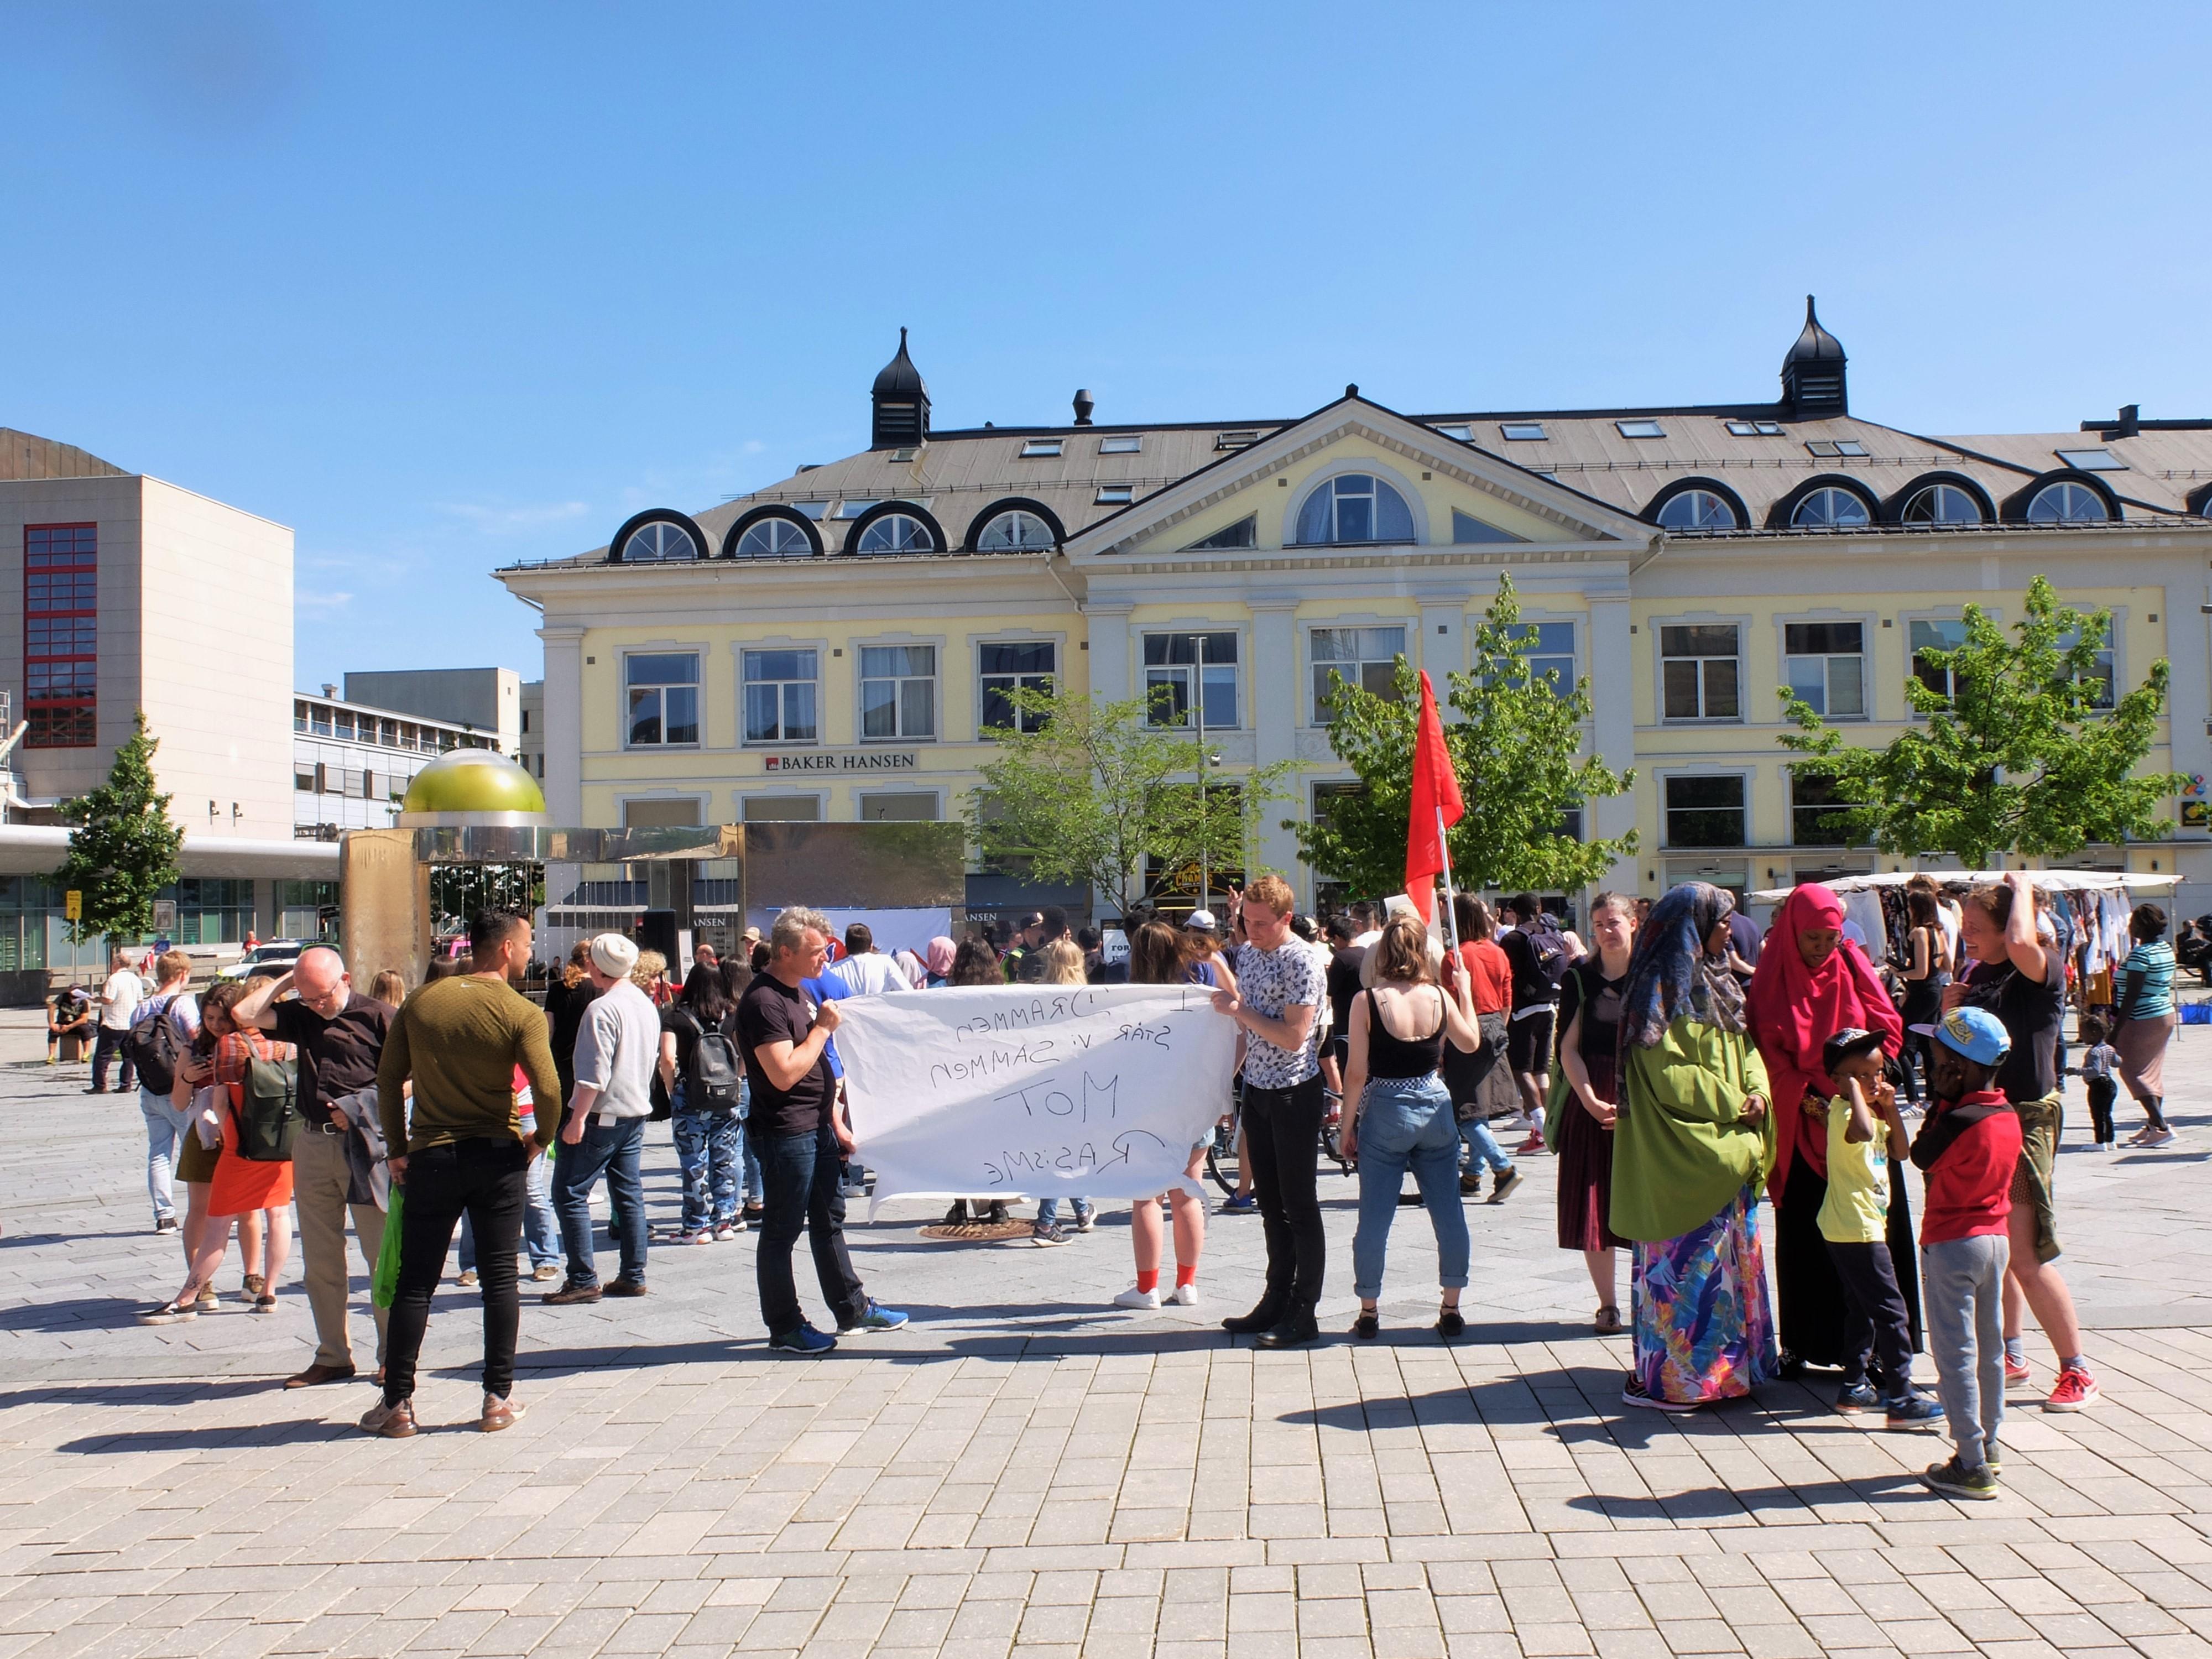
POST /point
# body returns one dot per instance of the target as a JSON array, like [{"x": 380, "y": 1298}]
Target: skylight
[
  {"x": 1755, "y": 428},
  {"x": 1459, "y": 429},
  {"x": 811, "y": 509},
  {"x": 1835, "y": 447},
  {"x": 1235, "y": 440},
  {"x": 899, "y": 455},
  {"x": 1639, "y": 428},
  {"x": 1116, "y": 494},
  {"x": 853, "y": 509},
  {"x": 1528, "y": 432},
  {"x": 2092, "y": 460},
  {"x": 1128, "y": 444},
  {"x": 1036, "y": 446}
]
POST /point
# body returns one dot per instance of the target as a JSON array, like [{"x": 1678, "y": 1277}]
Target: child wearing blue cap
[{"x": 1968, "y": 1147}]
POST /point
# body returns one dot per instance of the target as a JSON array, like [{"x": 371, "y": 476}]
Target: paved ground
[{"x": 1027, "y": 1469}]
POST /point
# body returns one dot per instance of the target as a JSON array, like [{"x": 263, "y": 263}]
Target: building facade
[
  {"x": 836, "y": 646},
  {"x": 352, "y": 762},
  {"x": 485, "y": 702}
]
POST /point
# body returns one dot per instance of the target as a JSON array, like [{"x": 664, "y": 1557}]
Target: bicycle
[{"x": 1221, "y": 1165}]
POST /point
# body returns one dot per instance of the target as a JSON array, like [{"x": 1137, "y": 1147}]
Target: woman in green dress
[{"x": 1693, "y": 1146}]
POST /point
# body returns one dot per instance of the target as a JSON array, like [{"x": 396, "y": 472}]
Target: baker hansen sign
[{"x": 862, "y": 760}]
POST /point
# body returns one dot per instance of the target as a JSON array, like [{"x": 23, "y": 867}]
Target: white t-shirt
[
  {"x": 870, "y": 973},
  {"x": 119, "y": 998}
]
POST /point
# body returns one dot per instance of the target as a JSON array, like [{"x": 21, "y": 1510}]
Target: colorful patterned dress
[{"x": 1704, "y": 1330}]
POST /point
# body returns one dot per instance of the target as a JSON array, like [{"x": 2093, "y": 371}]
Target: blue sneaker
[
  {"x": 878, "y": 1318},
  {"x": 805, "y": 1343},
  {"x": 1858, "y": 1397},
  {"x": 1912, "y": 1411},
  {"x": 1236, "y": 1205}
]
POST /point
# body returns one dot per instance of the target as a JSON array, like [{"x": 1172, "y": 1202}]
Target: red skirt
[{"x": 1585, "y": 1181}]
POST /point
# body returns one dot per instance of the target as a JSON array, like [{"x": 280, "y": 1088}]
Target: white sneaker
[
  {"x": 2159, "y": 1138},
  {"x": 1133, "y": 1298},
  {"x": 1186, "y": 1296}
]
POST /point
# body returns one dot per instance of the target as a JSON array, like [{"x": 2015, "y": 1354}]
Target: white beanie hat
[{"x": 613, "y": 955}]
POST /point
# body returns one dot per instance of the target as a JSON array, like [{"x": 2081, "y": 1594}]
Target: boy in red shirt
[{"x": 1968, "y": 1147}]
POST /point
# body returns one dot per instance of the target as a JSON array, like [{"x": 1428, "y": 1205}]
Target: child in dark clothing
[{"x": 2099, "y": 1061}]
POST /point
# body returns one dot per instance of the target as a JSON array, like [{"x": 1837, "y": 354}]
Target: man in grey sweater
[{"x": 605, "y": 1129}]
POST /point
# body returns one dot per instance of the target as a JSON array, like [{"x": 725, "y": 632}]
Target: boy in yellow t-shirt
[{"x": 1854, "y": 1220}]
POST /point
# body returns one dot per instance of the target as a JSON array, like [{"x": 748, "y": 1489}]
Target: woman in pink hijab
[
  {"x": 936, "y": 962},
  {"x": 1812, "y": 983}
]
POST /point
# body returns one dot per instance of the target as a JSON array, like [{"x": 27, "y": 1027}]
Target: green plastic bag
[{"x": 386, "y": 1284}]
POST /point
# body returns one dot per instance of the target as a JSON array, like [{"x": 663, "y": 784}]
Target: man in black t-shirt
[
  {"x": 783, "y": 1033},
  {"x": 1534, "y": 949},
  {"x": 1346, "y": 959}
]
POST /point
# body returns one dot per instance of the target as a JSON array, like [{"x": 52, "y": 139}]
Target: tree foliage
[
  {"x": 123, "y": 850},
  {"x": 2018, "y": 759},
  {"x": 1098, "y": 797},
  {"x": 1517, "y": 749}
]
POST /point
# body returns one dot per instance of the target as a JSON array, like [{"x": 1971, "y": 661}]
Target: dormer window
[
  {"x": 1236, "y": 440},
  {"x": 1040, "y": 449},
  {"x": 1015, "y": 531},
  {"x": 659, "y": 541},
  {"x": 1829, "y": 508},
  {"x": 1354, "y": 507},
  {"x": 2067, "y": 503},
  {"x": 895, "y": 532}
]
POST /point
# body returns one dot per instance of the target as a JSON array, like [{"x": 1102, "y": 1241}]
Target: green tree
[
  {"x": 124, "y": 849},
  {"x": 1097, "y": 796},
  {"x": 1517, "y": 749},
  {"x": 2022, "y": 755}
]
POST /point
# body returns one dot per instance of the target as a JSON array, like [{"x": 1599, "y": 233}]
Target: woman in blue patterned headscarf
[{"x": 1692, "y": 1144}]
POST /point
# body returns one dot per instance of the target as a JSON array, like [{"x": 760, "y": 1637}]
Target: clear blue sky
[{"x": 446, "y": 287}]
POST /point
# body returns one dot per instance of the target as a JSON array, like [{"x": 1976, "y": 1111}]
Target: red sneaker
[
  {"x": 2016, "y": 1376},
  {"x": 1533, "y": 1143},
  {"x": 2076, "y": 1391}
]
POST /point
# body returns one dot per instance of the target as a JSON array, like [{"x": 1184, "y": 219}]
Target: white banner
[{"x": 1047, "y": 1091}]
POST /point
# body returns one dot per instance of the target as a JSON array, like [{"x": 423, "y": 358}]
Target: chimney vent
[
  {"x": 329, "y": 690},
  {"x": 1084, "y": 406}
]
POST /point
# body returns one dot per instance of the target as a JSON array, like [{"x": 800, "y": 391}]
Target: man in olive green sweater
[{"x": 459, "y": 1041}]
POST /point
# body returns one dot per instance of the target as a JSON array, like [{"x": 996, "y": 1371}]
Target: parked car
[{"x": 266, "y": 961}]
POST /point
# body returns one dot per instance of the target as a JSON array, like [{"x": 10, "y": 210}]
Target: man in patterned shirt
[{"x": 1280, "y": 988}]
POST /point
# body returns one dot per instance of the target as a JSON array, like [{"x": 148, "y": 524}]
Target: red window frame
[{"x": 69, "y": 719}]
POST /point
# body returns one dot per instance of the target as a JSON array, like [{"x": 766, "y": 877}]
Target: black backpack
[
  {"x": 268, "y": 1115},
  {"x": 1549, "y": 947},
  {"x": 714, "y": 1079},
  {"x": 152, "y": 1046}
]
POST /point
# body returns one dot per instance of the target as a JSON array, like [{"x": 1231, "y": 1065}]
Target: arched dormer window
[
  {"x": 1941, "y": 503},
  {"x": 773, "y": 537},
  {"x": 2067, "y": 502},
  {"x": 895, "y": 532},
  {"x": 658, "y": 537},
  {"x": 1015, "y": 530},
  {"x": 1354, "y": 507},
  {"x": 1829, "y": 507},
  {"x": 1697, "y": 509}
]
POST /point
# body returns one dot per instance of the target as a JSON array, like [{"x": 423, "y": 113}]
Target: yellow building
[{"x": 829, "y": 647}]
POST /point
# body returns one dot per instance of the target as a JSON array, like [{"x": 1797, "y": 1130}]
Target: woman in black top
[
  {"x": 707, "y": 1137},
  {"x": 1927, "y": 971},
  {"x": 1404, "y": 1117},
  {"x": 1589, "y": 1045}
]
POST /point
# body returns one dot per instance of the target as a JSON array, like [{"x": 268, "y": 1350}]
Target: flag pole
[{"x": 1451, "y": 913}]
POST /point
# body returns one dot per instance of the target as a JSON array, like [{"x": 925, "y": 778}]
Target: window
[
  {"x": 212, "y": 910},
  {"x": 900, "y": 457},
  {"x": 1365, "y": 657},
  {"x": 663, "y": 699},
  {"x": 1704, "y": 811},
  {"x": 1700, "y": 670},
  {"x": 2102, "y": 676},
  {"x": 662, "y": 814},
  {"x": 307, "y": 910},
  {"x": 1639, "y": 428},
  {"x": 345, "y": 722},
  {"x": 1354, "y": 507},
  {"x": 1829, "y": 509},
  {"x": 2091, "y": 460},
  {"x": 810, "y": 509},
  {"x": 1925, "y": 636},
  {"x": 1459, "y": 429},
  {"x": 1467, "y": 530},
  {"x": 1551, "y": 648},
  {"x": 1127, "y": 443},
  {"x": 407, "y": 734},
  {"x": 1037, "y": 448},
  {"x": 1817, "y": 817},
  {"x": 1115, "y": 495},
  {"x": 61, "y": 660},
  {"x": 1236, "y": 440},
  {"x": 912, "y": 808},
  {"x": 1835, "y": 446},
  {"x": 1014, "y": 666},
  {"x": 1016, "y": 531},
  {"x": 2066, "y": 503},
  {"x": 856, "y": 509},
  {"x": 897, "y": 532},
  {"x": 780, "y": 696},
  {"x": 898, "y": 691},
  {"x": 1245, "y": 532},
  {"x": 1697, "y": 509},
  {"x": 1941, "y": 503},
  {"x": 1173, "y": 661},
  {"x": 780, "y": 809},
  {"x": 773, "y": 539},
  {"x": 1521, "y": 432},
  {"x": 659, "y": 541},
  {"x": 1825, "y": 663},
  {"x": 304, "y": 779},
  {"x": 387, "y": 731},
  {"x": 1755, "y": 428}
]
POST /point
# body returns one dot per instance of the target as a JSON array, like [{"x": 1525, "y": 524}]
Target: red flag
[{"x": 1436, "y": 804}]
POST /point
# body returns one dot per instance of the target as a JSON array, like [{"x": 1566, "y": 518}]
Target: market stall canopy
[{"x": 2056, "y": 881}]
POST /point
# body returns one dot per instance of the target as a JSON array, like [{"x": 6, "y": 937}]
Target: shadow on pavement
[
  {"x": 299, "y": 1432},
  {"x": 74, "y": 1314}
]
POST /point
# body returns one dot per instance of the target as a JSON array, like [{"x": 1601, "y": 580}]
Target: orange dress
[{"x": 241, "y": 1185}]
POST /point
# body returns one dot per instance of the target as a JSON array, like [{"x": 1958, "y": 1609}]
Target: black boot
[
  {"x": 1295, "y": 1331},
  {"x": 957, "y": 1215},
  {"x": 1265, "y": 1317}
]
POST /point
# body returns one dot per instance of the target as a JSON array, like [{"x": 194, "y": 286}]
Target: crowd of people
[{"x": 1680, "y": 1066}]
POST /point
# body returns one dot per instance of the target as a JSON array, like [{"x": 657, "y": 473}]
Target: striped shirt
[{"x": 2146, "y": 986}]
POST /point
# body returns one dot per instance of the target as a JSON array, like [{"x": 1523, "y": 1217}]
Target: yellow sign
[{"x": 73, "y": 905}]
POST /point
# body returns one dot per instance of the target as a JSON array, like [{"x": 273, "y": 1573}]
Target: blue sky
[{"x": 443, "y": 288}]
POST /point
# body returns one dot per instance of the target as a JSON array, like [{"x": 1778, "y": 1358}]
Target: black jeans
[
  {"x": 2103, "y": 1091},
  {"x": 1875, "y": 1323},
  {"x": 488, "y": 1180},
  {"x": 799, "y": 1194},
  {"x": 110, "y": 1041},
  {"x": 1282, "y": 1134}
]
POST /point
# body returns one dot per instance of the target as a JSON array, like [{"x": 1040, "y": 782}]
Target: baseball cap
[
  {"x": 1851, "y": 1040},
  {"x": 1974, "y": 1032},
  {"x": 1201, "y": 922},
  {"x": 613, "y": 955}
]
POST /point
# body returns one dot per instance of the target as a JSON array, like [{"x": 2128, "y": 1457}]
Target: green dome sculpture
[{"x": 465, "y": 787}]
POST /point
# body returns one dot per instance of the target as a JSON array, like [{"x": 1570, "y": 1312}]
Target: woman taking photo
[
  {"x": 1400, "y": 1114},
  {"x": 1590, "y": 1049},
  {"x": 1927, "y": 971},
  {"x": 1159, "y": 955},
  {"x": 2143, "y": 1006},
  {"x": 1812, "y": 983},
  {"x": 1693, "y": 1140}
]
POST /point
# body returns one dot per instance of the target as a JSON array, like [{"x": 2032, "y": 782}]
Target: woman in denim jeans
[
  {"x": 1404, "y": 1117},
  {"x": 708, "y": 1141}
]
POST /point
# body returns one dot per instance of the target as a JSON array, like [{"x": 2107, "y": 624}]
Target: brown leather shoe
[
  {"x": 392, "y": 1422},
  {"x": 626, "y": 1287},
  {"x": 571, "y": 1292},
  {"x": 500, "y": 1414},
  {"x": 315, "y": 1376}
]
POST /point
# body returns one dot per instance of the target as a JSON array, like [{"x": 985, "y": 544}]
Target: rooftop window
[
  {"x": 1697, "y": 509},
  {"x": 1755, "y": 428},
  {"x": 1116, "y": 494},
  {"x": 1354, "y": 507},
  {"x": 811, "y": 509},
  {"x": 2092, "y": 460},
  {"x": 1235, "y": 440},
  {"x": 1532, "y": 432},
  {"x": 903, "y": 455},
  {"x": 855, "y": 510},
  {"x": 1835, "y": 446},
  {"x": 2066, "y": 503},
  {"x": 658, "y": 541},
  {"x": 1037, "y": 446},
  {"x": 1829, "y": 509},
  {"x": 1125, "y": 444},
  {"x": 1639, "y": 428},
  {"x": 1459, "y": 429}
]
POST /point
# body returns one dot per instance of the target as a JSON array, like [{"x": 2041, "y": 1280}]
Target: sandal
[
  {"x": 1367, "y": 1326},
  {"x": 1608, "y": 1320},
  {"x": 167, "y": 1313},
  {"x": 1449, "y": 1324}
]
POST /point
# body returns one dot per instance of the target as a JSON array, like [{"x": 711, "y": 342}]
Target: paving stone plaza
[{"x": 1027, "y": 1470}]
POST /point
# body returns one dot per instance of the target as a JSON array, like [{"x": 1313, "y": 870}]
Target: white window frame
[
  {"x": 1304, "y": 488},
  {"x": 698, "y": 654},
  {"x": 977, "y": 674},
  {"x": 1868, "y": 624},
  {"x": 1121, "y": 443},
  {"x": 1746, "y": 775},
  {"x": 2115, "y": 631},
  {"x": 935, "y": 677},
  {"x": 821, "y": 650},
  {"x": 1042, "y": 449},
  {"x": 1660, "y": 659},
  {"x": 1036, "y": 518},
  {"x": 1316, "y": 678},
  {"x": 1241, "y": 634},
  {"x": 1905, "y": 622}
]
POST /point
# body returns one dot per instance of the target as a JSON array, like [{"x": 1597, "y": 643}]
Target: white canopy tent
[{"x": 2057, "y": 881}]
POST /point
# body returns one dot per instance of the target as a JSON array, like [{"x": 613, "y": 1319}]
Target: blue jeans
[
  {"x": 749, "y": 1175},
  {"x": 802, "y": 1196},
  {"x": 1483, "y": 1146},
  {"x": 1049, "y": 1210},
  {"x": 166, "y": 1129},
  {"x": 706, "y": 1145},
  {"x": 1407, "y": 1123},
  {"x": 541, "y": 1228},
  {"x": 612, "y": 1152}
]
